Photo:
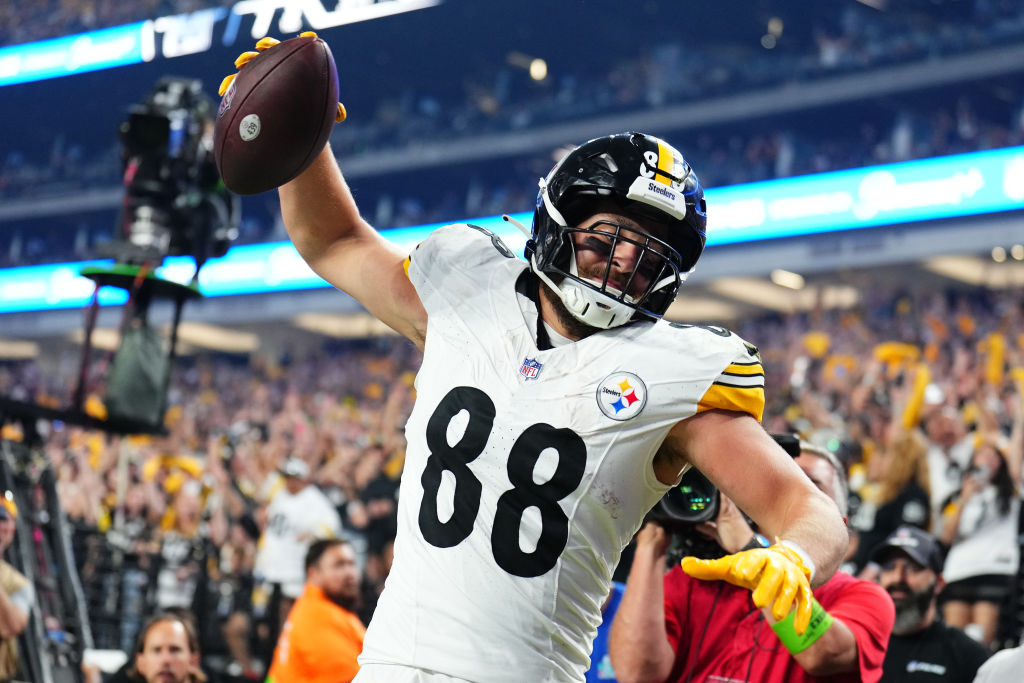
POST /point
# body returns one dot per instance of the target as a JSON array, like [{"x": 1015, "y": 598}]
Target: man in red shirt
[
  {"x": 322, "y": 636},
  {"x": 674, "y": 627}
]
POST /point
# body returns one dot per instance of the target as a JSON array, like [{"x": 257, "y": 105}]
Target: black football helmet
[{"x": 639, "y": 176}]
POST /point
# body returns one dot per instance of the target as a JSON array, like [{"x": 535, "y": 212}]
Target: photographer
[{"x": 675, "y": 627}]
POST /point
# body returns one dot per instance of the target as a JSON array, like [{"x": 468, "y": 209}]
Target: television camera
[
  {"x": 694, "y": 501},
  {"x": 175, "y": 203}
]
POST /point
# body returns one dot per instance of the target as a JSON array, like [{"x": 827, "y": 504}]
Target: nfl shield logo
[{"x": 530, "y": 368}]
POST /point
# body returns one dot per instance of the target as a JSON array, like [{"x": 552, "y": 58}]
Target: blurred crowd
[
  {"x": 920, "y": 128},
  {"x": 918, "y": 393},
  {"x": 176, "y": 521},
  {"x": 25, "y": 22},
  {"x": 904, "y": 127}
]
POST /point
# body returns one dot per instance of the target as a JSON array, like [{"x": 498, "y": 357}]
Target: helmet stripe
[{"x": 665, "y": 163}]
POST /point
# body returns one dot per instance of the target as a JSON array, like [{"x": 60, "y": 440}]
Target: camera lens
[{"x": 693, "y": 501}]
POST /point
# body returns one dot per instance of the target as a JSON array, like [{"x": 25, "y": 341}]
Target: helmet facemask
[
  {"x": 631, "y": 175},
  {"x": 600, "y": 298}
]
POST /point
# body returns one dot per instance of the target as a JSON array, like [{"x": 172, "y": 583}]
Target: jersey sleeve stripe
[
  {"x": 406, "y": 264},
  {"x": 741, "y": 382},
  {"x": 744, "y": 369},
  {"x": 738, "y": 399},
  {"x": 743, "y": 376}
]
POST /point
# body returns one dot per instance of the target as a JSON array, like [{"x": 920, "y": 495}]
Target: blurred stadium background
[{"x": 866, "y": 185}]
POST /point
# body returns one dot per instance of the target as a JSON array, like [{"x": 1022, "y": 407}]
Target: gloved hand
[
  {"x": 776, "y": 575},
  {"x": 264, "y": 44}
]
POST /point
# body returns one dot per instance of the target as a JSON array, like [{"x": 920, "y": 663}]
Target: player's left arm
[{"x": 744, "y": 462}]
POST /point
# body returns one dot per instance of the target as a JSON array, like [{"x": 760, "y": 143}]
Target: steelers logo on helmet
[
  {"x": 659, "y": 180},
  {"x": 640, "y": 177},
  {"x": 621, "y": 396}
]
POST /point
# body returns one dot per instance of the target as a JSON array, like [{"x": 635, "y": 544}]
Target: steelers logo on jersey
[{"x": 621, "y": 395}]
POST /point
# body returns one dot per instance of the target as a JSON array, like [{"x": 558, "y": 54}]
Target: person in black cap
[{"x": 922, "y": 647}]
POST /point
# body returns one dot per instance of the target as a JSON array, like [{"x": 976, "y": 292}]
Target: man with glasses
[{"x": 922, "y": 648}]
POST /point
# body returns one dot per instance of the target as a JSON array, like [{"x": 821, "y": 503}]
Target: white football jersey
[
  {"x": 293, "y": 523},
  {"x": 528, "y": 471}
]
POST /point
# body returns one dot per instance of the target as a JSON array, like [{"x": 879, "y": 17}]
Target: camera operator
[{"x": 677, "y": 627}]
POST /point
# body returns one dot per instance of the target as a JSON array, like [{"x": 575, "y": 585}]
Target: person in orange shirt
[{"x": 322, "y": 636}]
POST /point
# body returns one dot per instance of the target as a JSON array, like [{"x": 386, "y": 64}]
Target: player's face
[
  {"x": 614, "y": 243},
  {"x": 166, "y": 656},
  {"x": 337, "y": 576}
]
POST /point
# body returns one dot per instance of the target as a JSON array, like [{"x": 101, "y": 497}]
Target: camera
[
  {"x": 696, "y": 500},
  {"x": 175, "y": 203}
]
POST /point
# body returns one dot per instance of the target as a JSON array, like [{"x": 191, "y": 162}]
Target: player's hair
[
  {"x": 191, "y": 636},
  {"x": 320, "y": 546},
  {"x": 839, "y": 482}
]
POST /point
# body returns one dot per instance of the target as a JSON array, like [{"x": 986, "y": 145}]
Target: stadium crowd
[
  {"x": 906, "y": 388},
  {"x": 920, "y": 129},
  {"x": 904, "y": 127}
]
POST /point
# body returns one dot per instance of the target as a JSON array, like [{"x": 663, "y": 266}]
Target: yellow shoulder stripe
[
  {"x": 406, "y": 264},
  {"x": 738, "y": 399},
  {"x": 745, "y": 369}
]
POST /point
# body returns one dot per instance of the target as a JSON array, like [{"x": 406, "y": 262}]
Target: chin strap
[
  {"x": 577, "y": 298},
  {"x": 533, "y": 292}
]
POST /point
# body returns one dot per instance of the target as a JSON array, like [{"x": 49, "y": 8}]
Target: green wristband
[{"x": 820, "y": 621}]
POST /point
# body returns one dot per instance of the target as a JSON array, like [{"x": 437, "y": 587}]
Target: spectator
[
  {"x": 16, "y": 593},
  {"x": 674, "y": 627},
  {"x": 297, "y": 515},
  {"x": 922, "y": 648},
  {"x": 949, "y": 449},
  {"x": 980, "y": 528},
  {"x": 167, "y": 651},
  {"x": 322, "y": 636},
  {"x": 901, "y": 471}
]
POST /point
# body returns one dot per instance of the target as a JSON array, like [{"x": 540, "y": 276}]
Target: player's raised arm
[
  {"x": 323, "y": 222},
  {"x": 273, "y": 124}
]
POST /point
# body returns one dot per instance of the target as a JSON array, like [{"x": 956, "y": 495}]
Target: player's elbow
[{"x": 831, "y": 541}]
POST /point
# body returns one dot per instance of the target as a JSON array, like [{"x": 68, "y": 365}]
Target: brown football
[{"x": 276, "y": 115}]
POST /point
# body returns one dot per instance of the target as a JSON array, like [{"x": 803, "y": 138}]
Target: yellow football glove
[
  {"x": 776, "y": 575},
  {"x": 264, "y": 44}
]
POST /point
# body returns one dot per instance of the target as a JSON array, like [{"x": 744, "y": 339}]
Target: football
[{"x": 276, "y": 115}]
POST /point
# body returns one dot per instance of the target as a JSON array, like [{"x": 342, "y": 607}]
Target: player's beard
[{"x": 911, "y": 608}]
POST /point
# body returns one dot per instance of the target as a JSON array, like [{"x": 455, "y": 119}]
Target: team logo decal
[
  {"x": 530, "y": 368},
  {"x": 225, "y": 102},
  {"x": 621, "y": 395}
]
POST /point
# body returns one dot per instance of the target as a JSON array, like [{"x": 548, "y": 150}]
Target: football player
[{"x": 555, "y": 407}]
